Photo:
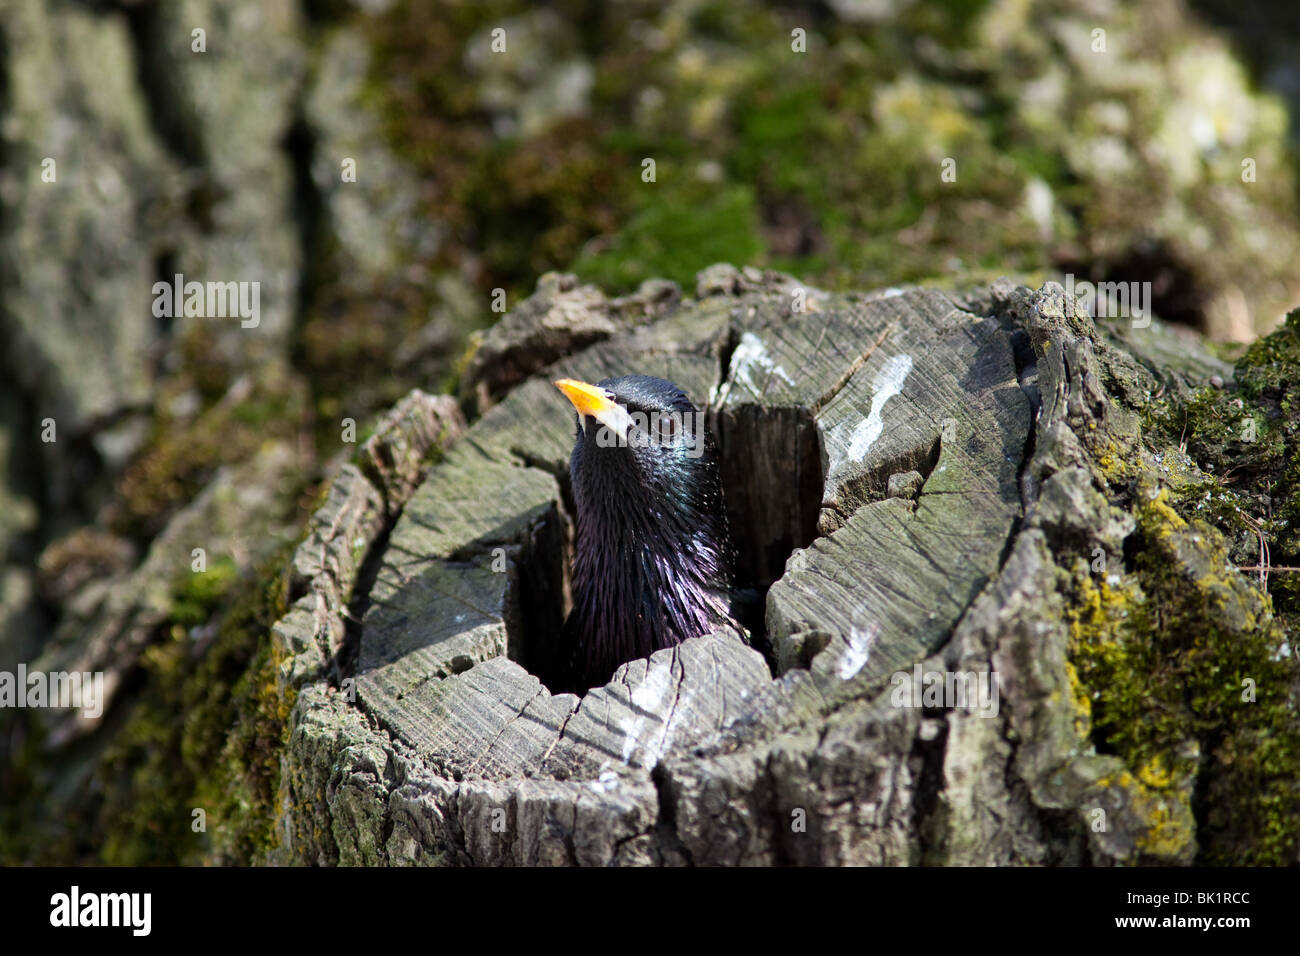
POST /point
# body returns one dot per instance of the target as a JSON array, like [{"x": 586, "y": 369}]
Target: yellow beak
[{"x": 587, "y": 399}]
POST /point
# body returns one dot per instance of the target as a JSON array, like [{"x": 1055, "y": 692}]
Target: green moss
[
  {"x": 183, "y": 455},
  {"x": 1246, "y": 440},
  {"x": 818, "y": 160},
  {"x": 220, "y": 756},
  {"x": 1270, "y": 368},
  {"x": 196, "y": 593},
  {"x": 1269, "y": 379},
  {"x": 1183, "y": 657},
  {"x": 1168, "y": 649},
  {"x": 676, "y": 232},
  {"x": 519, "y": 208},
  {"x": 841, "y": 145},
  {"x": 473, "y": 342}
]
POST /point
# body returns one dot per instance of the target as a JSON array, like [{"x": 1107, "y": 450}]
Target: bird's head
[{"x": 642, "y": 440}]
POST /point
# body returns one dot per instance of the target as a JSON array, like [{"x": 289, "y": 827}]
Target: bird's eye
[{"x": 667, "y": 425}]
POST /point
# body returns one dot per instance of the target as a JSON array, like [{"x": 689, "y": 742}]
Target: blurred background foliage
[{"x": 1122, "y": 161}]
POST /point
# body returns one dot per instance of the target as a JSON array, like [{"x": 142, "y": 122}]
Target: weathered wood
[
  {"x": 563, "y": 318},
  {"x": 892, "y": 575}
]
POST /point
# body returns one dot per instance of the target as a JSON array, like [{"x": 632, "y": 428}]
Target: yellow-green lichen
[
  {"x": 1168, "y": 825},
  {"x": 1166, "y": 647}
]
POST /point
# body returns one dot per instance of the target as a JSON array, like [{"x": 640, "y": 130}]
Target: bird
[{"x": 654, "y": 557}]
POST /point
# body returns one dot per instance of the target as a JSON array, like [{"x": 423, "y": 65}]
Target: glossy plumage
[{"x": 653, "y": 559}]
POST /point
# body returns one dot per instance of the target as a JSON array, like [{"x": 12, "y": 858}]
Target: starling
[{"x": 653, "y": 561}]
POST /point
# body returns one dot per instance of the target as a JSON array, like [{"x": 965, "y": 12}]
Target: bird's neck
[{"x": 643, "y": 580}]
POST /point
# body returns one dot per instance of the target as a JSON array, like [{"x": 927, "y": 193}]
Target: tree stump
[{"x": 904, "y": 471}]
